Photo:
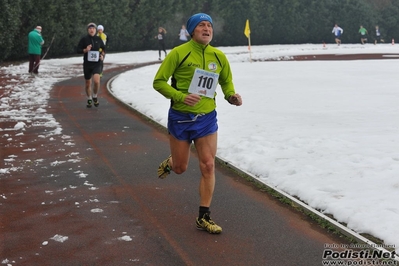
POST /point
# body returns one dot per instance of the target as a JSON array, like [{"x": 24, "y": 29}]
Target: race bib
[
  {"x": 93, "y": 56},
  {"x": 204, "y": 83}
]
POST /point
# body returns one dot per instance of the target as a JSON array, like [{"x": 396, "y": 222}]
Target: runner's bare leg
[{"x": 206, "y": 148}]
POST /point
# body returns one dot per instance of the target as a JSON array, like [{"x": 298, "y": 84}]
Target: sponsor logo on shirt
[
  {"x": 193, "y": 64},
  {"x": 212, "y": 66}
]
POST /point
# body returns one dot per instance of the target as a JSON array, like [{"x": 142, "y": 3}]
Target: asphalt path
[{"x": 98, "y": 201}]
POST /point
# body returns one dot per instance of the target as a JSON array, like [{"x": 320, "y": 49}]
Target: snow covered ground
[{"x": 324, "y": 131}]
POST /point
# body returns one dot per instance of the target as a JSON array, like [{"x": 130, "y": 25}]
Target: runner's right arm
[
  {"x": 161, "y": 79},
  {"x": 81, "y": 46}
]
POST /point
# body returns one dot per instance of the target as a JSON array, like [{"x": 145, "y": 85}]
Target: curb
[{"x": 297, "y": 204}]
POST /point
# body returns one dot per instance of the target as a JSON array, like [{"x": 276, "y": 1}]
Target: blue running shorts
[{"x": 189, "y": 127}]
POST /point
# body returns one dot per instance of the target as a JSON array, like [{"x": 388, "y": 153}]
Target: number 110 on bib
[{"x": 204, "y": 83}]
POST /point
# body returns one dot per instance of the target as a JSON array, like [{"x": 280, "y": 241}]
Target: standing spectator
[
  {"x": 377, "y": 35},
  {"x": 103, "y": 36},
  {"x": 183, "y": 34},
  {"x": 363, "y": 34},
  {"x": 161, "y": 41},
  {"x": 90, "y": 46},
  {"x": 338, "y": 31},
  {"x": 35, "y": 42},
  {"x": 196, "y": 69}
]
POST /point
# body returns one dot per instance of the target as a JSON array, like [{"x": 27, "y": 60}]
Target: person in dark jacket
[
  {"x": 35, "y": 42},
  {"x": 93, "y": 49},
  {"x": 161, "y": 41}
]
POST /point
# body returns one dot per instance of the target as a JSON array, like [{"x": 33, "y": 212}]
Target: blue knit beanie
[{"x": 195, "y": 20}]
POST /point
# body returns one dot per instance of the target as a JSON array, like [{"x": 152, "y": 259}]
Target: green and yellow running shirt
[{"x": 181, "y": 64}]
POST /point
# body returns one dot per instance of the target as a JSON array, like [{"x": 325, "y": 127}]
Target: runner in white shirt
[
  {"x": 183, "y": 34},
  {"x": 337, "y": 32}
]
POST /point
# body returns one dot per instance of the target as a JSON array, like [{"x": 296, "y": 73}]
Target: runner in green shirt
[
  {"x": 363, "y": 34},
  {"x": 195, "y": 69}
]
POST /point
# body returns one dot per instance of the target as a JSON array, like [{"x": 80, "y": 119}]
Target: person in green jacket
[
  {"x": 35, "y": 42},
  {"x": 196, "y": 68},
  {"x": 363, "y": 34}
]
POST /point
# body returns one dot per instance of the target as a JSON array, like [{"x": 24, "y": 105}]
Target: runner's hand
[
  {"x": 235, "y": 99},
  {"x": 88, "y": 48},
  {"x": 192, "y": 99}
]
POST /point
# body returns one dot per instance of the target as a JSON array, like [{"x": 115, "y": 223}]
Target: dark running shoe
[
  {"x": 206, "y": 223},
  {"x": 164, "y": 168},
  {"x": 89, "y": 103},
  {"x": 96, "y": 103}
]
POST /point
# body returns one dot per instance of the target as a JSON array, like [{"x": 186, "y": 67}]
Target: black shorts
[{"x": 90, "y": 69}]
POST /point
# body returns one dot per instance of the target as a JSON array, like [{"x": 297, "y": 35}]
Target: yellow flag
[{"x": 247, "y": 31}]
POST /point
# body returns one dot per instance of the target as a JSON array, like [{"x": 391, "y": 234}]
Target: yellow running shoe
[
  {"x": 164, "y": 168},
  {"x": 206, "y": 223}
]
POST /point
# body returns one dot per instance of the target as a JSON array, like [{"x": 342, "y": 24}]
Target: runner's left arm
[
  {"x": 102, "y": 49},
  {"x": 226, "y": 78},
  {"x": 102, "y": 46}
]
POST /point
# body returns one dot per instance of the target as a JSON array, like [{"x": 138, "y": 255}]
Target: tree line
[{"x": 132, "y": 24}]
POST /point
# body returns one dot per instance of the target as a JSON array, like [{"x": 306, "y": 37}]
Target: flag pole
[
  {"x": 249, "y": 48},
  {"x": 247, "y": 33}
]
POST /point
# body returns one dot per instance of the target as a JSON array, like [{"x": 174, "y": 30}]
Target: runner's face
[
  {"x": 203, "y": 33},
  {"x": 91, "y": 31}
]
